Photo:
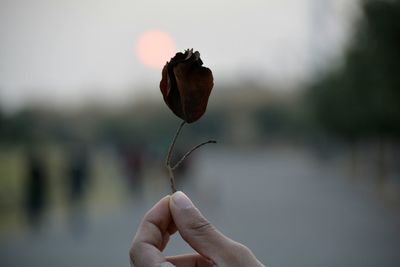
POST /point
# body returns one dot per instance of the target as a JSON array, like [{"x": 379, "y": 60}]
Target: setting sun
[{"x": 155, "y": 48}]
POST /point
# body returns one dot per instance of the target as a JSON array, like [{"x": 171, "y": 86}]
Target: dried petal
[{"x": 186, "y": 85}]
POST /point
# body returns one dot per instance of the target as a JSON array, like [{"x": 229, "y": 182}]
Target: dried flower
[{"x": 186, "y": 85}]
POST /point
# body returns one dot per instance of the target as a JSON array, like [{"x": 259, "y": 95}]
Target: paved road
[{"x": 289, "y": 207}]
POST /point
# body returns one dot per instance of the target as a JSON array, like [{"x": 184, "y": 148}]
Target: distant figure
[
  {"x": 36, "y": 188},
  {"x": 77, "y": 180},
  {"x": 133, "y": 163},
  {"x": 77, "y": 173}
]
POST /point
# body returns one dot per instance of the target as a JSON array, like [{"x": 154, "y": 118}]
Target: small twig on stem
[
  {"x": 190, "y": 152},
  {"x": 169, "y": 156}
]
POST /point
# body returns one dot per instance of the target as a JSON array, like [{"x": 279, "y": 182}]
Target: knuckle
[
  {"x": 242, "y": 248},
  {"x": 238, "y": 255},
  {"x": 200, "y": 226}
]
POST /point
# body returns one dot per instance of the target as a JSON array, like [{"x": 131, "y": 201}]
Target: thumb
[{"x": 197, "y": 231}]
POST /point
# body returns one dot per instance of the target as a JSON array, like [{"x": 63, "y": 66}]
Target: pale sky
[{"x": 65, "y": 52}]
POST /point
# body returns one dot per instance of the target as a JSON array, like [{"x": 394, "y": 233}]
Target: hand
[{"x": 177, "y": 213}]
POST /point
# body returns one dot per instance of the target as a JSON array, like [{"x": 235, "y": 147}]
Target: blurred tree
[
  {"x": 362, "y": 97},
  {"x": 17, "y": 127}
]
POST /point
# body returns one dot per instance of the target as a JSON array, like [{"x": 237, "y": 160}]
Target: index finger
[{"x": 152, "y": 236}]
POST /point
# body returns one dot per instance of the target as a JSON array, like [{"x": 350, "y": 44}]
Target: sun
[{"x": 155, "y": 48}]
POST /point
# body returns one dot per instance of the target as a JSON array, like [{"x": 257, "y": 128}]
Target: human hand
[{"x": 177, "y": 213}]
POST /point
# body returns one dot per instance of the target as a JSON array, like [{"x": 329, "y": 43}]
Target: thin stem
[
  {"x": 191, "y": 151},
  {"x": 169, "y": 155},
  {"x": 171, "y": 179},
  {"x": 171, "y": 146}
]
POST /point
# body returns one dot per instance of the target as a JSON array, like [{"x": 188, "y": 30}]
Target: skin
[{"x": 177, "y": 213}]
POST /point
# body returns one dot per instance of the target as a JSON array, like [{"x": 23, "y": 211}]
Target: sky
[{"x": 63, "y": 52}]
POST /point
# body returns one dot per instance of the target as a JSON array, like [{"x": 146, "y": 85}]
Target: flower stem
[
  {"x": 169, "y": 155},
  {"x": 171, "y": 179}
]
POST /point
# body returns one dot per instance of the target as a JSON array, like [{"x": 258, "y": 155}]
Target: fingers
[
  {"x": 178, "y": 213},
  {"x": 205, "y": 238},
  {"x": 152, "y": 236},
  {"x": 190, "y": 260},
  {"x": 197, "y": 231}
]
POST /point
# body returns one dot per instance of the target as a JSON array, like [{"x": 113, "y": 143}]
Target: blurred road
[{"x": 290, "y": 207}]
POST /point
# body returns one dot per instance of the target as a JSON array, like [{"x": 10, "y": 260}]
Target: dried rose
[{"x": 186, "y": 85}]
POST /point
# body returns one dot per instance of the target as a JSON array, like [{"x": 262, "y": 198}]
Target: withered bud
[{"x": 186, "y": 85}]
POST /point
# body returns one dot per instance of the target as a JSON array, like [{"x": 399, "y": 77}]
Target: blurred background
[{"x": 305, "y": 109}]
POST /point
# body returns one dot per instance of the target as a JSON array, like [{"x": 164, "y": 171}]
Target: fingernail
[{"x": 181, "y": 200}]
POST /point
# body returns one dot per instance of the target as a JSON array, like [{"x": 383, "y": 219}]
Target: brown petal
[
  {"x": 170, "y": 93},
  {"x": 164, "y": 81},
  {"x": 194, "y": 83}
]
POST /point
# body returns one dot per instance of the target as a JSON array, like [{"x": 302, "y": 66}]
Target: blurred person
[
  {"x": 177, "y": 213},
  {"x": 77, "y": 180},
  {"x": 133, "y": 163},
  {"x": 77, "y": 173},
  {"x": 36, "y": 188}
]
